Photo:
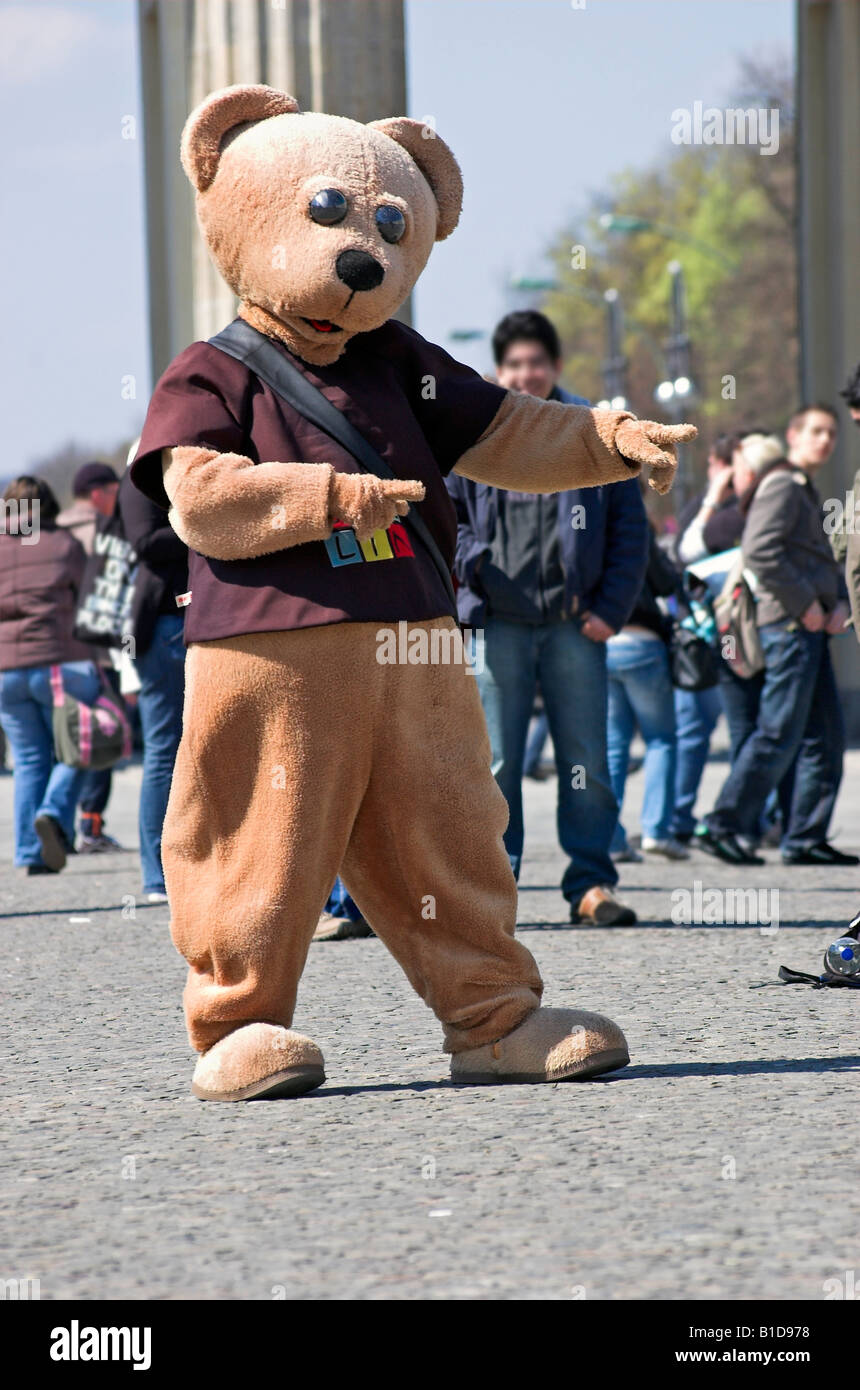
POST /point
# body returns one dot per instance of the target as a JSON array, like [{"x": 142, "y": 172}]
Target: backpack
[
  {"x": 734, "y": 610},
  {"x": 91, "y": 737}
]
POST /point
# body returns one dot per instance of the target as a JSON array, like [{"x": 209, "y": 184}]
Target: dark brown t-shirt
[{"x": 420, "y": 410}]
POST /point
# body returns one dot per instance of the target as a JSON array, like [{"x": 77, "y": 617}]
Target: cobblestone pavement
[{"x": 721, "y": 1163}]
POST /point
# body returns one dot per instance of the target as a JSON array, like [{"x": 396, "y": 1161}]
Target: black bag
[
  {"x": 258, "y": 352},
  {"x": 106, "y": 603},
  {"x": 694, "y": 658},
  {"x": 694, "y": 662}
]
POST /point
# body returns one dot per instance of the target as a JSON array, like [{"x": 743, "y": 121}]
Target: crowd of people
[
  {"x": 575, "y": 600},
  {"x": 41, "y": 586}
]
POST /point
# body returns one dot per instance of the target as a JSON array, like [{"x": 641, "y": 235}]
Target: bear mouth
[{"x": 323, "y": 325}]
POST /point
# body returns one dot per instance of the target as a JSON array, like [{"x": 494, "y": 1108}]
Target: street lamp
[
  {"x": 677, "y": 393},
  {"x": 615, "y": 364},
  {"x": 623, "y": 222}
]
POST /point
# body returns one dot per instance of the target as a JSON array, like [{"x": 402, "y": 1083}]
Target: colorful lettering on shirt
[{"x": 345, "y": 549}]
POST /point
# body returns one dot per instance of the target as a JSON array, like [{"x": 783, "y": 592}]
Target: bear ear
[
  {"x": 208, "y": 123},
  {"x": 436, "y": 163}
]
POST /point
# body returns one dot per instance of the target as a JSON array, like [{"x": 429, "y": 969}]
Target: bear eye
[
  {"x": 391, "y": 223},
  {"x": 328, "y": 207}
]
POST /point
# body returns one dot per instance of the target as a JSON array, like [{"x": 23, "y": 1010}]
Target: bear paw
[
  {"x": 259, "y": 1060},
  {"x": 549, "y": 1045}
]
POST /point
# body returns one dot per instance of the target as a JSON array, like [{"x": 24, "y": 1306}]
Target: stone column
[
  {"x": 828, "y": 93},
  {"x": 342, "y": 56}
]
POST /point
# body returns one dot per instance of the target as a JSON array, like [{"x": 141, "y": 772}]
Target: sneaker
[
  {"x": 53, "y": 842},
  {"x": 156, "y": 897},
  {"x": 331, "y": 928},
  {"x": 98, "y": 844},
  {"x": 669, "y": 848},
  {"x": 627, "y": 855},
  {"x": 34, "y": 869},
  {"x": 822, "y": 853},
  {"x": 599, "y": 907},
  {"x": 93, "y": 839}
]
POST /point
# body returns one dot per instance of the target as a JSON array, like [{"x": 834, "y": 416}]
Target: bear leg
[{"x": 271, "y": 769}]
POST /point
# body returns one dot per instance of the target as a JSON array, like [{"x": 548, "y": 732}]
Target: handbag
[
  {"x": 90, "y": 737},
  {"x": 734, "y": 610},
  {"x": 694, "y": 663},
  {"x": 694, "y": 659},
  {"x": 260, "y": 354}
]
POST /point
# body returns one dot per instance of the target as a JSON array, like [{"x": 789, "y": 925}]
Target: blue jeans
[
  {"x": 641, "y": 693},
  {"x": 161, "y": 670},
  {"x": 42, "y": 785},
  {"x": 696, "y": 715},
  {"x": 799, "y": 721},
  {"x": 340, "y": 904},
  {"x": 741, "y": 702},
  {"x": 535, "y": 744},
  {"x": 572, "y": 674}
]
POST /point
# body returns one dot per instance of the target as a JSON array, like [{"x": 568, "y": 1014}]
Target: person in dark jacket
[
  {"x": 41, "y": 568},
  {"x": 159, "y": 656},
  {"x": 547, "y": 580},
  {"x": 801, "y": 601},
  {"x": 94, "y": 488},
  {"x": 641, "y": 695}
]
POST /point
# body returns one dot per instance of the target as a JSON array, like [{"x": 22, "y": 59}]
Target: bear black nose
[{"x": 359, "y": 270}]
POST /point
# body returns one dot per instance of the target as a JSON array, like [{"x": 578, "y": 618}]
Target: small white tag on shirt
[{"x": 183, "y": 600}]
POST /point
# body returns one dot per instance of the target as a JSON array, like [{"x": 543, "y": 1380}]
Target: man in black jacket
[{"x": 548, "y": 579}]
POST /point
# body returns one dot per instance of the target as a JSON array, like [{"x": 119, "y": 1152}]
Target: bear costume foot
[
  {"x": 258, "y": 1061},
  {"x": 550, "y": 1045}
]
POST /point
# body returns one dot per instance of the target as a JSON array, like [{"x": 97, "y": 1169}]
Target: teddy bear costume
[{"x": 303, "y": 753}]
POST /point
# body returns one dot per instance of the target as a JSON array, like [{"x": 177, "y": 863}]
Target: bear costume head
[{"x": 320, "y": 225}]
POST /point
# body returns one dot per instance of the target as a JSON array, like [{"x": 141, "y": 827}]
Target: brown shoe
[
  {"x": 599, "y": 907},
  {"x": 550, "y": 1045},
  {"x": 332, "y": 928},
  {"x": 258, "y": 1061}
]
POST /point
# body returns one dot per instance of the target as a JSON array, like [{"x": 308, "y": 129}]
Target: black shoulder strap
[{"x": 258, "y": 352}]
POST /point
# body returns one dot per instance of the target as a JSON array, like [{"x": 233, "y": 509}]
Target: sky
[{"x": 541, "y": 101}]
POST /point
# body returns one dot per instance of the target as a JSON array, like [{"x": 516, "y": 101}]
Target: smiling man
[{"x": 550, "y": 579}]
